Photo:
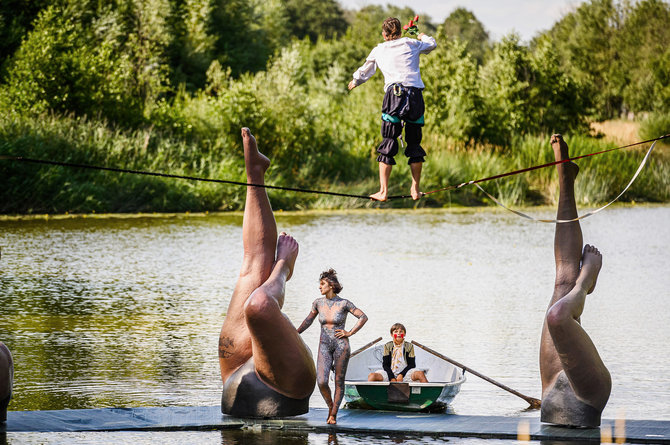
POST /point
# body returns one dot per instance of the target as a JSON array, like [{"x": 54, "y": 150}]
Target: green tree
[
  {"x": 556, "y": 101},
  {"x": 583, "y": 41},
  {"x": 148, "y": 39},
  {"x": 192, "y": 50},
  {"x": 453, "y": 104},
  {"x": 241, "y": 41},
  {"x": 16, "y": 19},
  {"x": 235, "y": 34},
  {"x": 66, "y": 67},
  {"x": 644, "y": 47},
  {"x": 505, "y": 82},
  {"x": 463, "y": 25},
  {"x": 528, "y": 92},
  {"x": 314, "y": 18}
]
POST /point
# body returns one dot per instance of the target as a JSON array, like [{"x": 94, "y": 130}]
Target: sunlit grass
[{"x": 32, "y": 188}]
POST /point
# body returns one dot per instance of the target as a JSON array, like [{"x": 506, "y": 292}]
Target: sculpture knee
[
  {"x": 558, "y": 315},
  {"x": 260, "y": 307}
]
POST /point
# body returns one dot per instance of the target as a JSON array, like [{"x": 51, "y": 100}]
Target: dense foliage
[{"x": 165, "y": 85}]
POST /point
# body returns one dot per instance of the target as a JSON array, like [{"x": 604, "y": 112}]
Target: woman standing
[{"x": 334, "y": 347}]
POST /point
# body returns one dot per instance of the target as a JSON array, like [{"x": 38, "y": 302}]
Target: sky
[{"x": 526, "y": 17}]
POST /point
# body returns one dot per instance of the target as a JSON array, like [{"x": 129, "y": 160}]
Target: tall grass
[
  {"x": 33, "y": 188},
  {"x": 36, "y": 188},
  {"x": 601, "y": 177}
]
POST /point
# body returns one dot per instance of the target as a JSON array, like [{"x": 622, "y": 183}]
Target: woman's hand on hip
[{"x": 341, "y": 333}]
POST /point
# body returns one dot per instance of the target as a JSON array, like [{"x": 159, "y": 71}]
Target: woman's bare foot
[
  {"x": 562, "y": 152},
  {"x": 255, "y": 161},
  {"x": 380, "y": 195},
  {"x": 332, "y": 420},
  {"x": 287, "y": 252},
  {"x": 592, "y": 261}
]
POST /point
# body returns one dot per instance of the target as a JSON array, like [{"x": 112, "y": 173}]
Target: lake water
[{"x": 126, "y": 311}]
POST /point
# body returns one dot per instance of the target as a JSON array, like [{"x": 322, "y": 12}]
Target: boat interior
[{"x": 436, "y": 369}]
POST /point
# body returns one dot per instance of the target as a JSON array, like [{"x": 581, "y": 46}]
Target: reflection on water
[
  {"x": 250, "y": 437},
  {"x": 126, "y": 311}
]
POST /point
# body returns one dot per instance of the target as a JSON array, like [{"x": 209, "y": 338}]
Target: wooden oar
[
  {"x": 359, "y": 350},
  {"x": 534, "y": 403}
]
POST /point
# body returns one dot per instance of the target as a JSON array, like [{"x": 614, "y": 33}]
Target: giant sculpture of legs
[
  {"x": 575, "y": 382},
  {"x": 254, "y": 326}
]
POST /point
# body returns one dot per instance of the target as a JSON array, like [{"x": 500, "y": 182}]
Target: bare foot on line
[
  {"x": 415, "y": 192},
  {"x": 592, "y": 261},
  {"x": 331, "y": 420},
  {"x": 287, "y": 250},
  {"x": 379, "y": 196},
  {"x": 255, "y": 161},
  {"x": 562, "y": 152}
]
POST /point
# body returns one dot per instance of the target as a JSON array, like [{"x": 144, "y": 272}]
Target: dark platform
[{"x": 354, "y": 421}]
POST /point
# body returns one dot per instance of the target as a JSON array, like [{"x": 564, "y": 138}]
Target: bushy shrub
[
  {"x": 453, "y": 103},
  {"x": 655, "y": 125},
  {"x": 63, "y": 67}
]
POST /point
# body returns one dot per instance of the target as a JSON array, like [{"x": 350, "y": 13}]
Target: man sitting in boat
[{"x": 398, "y": 361}]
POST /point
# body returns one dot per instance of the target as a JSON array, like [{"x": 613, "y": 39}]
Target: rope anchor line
[{"x": 476, "y": 182}]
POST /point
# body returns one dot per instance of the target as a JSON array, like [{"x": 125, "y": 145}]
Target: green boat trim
[{"x": 422, "y": 396}]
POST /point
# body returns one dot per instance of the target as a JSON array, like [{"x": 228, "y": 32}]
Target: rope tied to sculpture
[{"x": 475, "y": 182}]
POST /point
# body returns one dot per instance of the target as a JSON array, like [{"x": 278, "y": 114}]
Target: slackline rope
[
  {"x": 523, "y": 170},
  {"x": 168, "y": 175},
  {"x": 348, "y": 195},
  {"x": 587, "y": 214}
]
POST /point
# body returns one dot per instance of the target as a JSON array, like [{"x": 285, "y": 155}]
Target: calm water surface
[{"x": 126, "y": 311}]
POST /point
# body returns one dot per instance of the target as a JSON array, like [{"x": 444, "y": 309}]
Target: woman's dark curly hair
[
  {"x": 331, "y": 277},
  {"x": 392, "y": 27}
]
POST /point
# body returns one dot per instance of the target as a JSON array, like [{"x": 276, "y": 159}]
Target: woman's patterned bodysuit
[{"x": 333, "y": 352}]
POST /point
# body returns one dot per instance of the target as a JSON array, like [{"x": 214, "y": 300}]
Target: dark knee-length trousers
[{"x": 402, "y": 104}]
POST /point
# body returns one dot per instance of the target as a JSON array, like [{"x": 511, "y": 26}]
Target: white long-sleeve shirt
[{"x": 398, "y": 60}]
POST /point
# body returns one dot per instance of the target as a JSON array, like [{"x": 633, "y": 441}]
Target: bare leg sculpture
[
  {"x": 575, "y": 382},
  {"x": 266, "y": 368}
]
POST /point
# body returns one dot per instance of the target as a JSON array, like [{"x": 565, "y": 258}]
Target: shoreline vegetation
[
  {"x": 45, "y": 189},
  {"x": 166, "y": 85},
  {"x": 538, "y": 211}
]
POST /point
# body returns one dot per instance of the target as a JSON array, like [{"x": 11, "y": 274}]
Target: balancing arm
[
  {"x": 365, "y": 72},
  {"x": 427, "y": 43}
]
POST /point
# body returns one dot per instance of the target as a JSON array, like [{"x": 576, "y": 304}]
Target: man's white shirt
[{"x": 398, "y": 60}]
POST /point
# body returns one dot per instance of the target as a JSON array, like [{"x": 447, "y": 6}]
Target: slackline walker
[{"x": 348, "y": 195}]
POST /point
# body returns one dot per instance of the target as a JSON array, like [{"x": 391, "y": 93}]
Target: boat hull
[{"x": 422, "y": 397}]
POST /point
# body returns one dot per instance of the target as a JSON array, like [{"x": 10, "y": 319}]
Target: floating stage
[{"x": 348, "y": 421}]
